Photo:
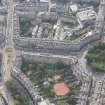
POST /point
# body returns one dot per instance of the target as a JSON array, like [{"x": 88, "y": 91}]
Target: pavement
[{"x": 8, "y": 55}]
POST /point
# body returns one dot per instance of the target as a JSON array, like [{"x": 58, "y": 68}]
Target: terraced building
[{"x": 43, "y": 45}]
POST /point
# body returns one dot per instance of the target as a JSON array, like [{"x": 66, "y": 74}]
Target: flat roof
[
  {"x": 86, "y": 14},
  {"x": 43, "y": 0}
]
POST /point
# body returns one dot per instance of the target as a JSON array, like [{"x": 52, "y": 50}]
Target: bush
[
  {"x": 39, "y": 73},
  {"x": 96, "y": 57},
  {"x": 17, "y": 94}
]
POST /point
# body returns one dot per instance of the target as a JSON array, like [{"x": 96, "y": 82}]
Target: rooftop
[{"x": 87, "y": 14}]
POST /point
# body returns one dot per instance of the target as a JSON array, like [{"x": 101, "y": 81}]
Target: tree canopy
[{"x": 96, "y": 57}]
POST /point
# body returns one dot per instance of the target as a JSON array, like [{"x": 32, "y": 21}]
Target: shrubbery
[
  {"x": 40, "y": 73},
  {"x": 17, "y": 94},
  {"x": 96, "y": 57},
  {"x": 25, "y": 27}
]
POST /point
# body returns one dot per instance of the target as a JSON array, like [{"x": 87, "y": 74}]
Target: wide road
[{"x": 8, "y": 52}]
